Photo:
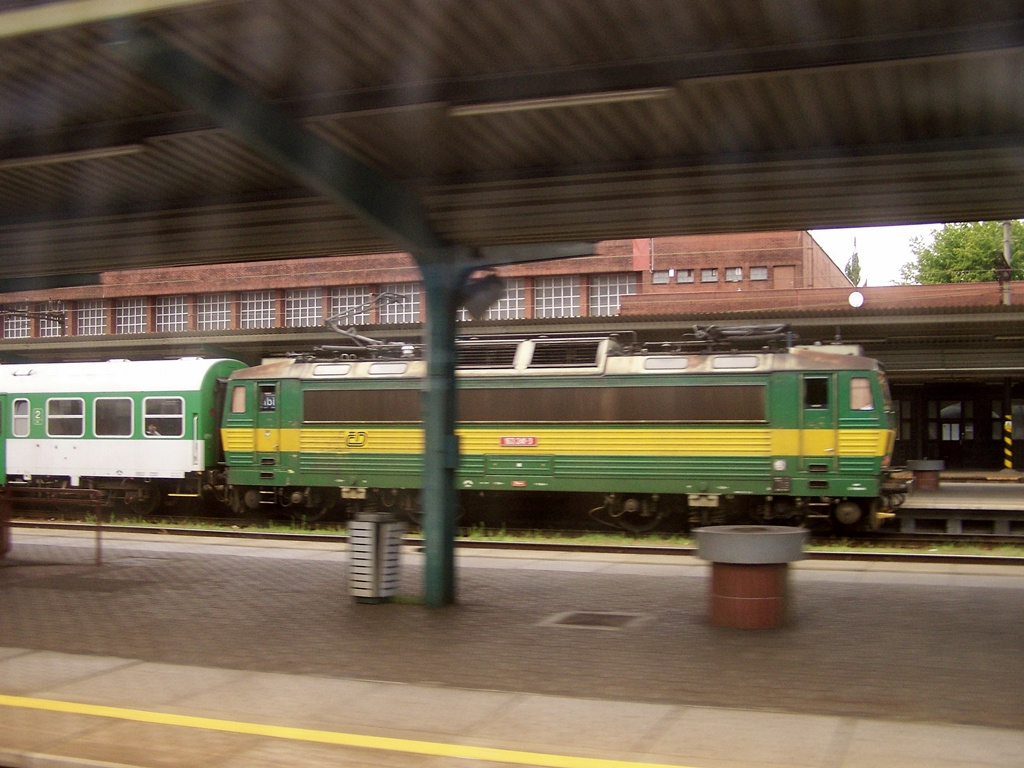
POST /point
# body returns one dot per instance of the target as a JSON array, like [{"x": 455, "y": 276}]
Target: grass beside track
[{"x": 480, "y": 534}]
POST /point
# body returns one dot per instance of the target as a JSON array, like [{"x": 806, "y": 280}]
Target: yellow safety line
[{"x": 415, "y": 746}]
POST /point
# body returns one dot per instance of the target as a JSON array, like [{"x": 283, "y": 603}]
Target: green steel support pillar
[
  {"x": 443, "y": 283},
  {"x": 383, "y": 203}
]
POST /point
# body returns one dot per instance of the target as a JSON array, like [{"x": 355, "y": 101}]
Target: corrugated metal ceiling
[{"x": 511, "y": 120}]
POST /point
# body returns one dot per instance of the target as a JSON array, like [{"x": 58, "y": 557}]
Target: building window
[
  {"x": 16, "y": 322},
  {"x": 92, "y": 318},
  {"x": 171, "y": 314},
  {"x": 606, "y": 290},
  {"x": 213, "y": 312},
  {"x": 130, "y": 316},
  {"x": 257, "y": 309},
  {"x": 511, "y": 305},
  {"x": 950, "y": 421},
  {"x": 303, "y": 307},
  {"x": 684, "y": 276},
  {"x": 661, "y": 276},
  {"x": 52, "y": 319},
  {"x": 904, "y": 419},
  {"x": 709, "y": 275},
  {"x": 407, "y": 310},
  {"x": 759, "y": 273},
  {"x": 998, "y": 420},
  {"x": 348, "y": 300},
  {"x": 556, "y": 296},
  {"x": 733, "y": 274}
]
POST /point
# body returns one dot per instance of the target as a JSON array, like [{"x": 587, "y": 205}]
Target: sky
[{"x": 882, "y": 250}]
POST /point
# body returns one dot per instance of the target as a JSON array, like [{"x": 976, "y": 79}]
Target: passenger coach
[
  {"x": 144, "y": 431},
  {"x": 642, "y": 436}
]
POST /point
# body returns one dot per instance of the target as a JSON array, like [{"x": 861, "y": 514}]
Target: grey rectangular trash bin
[{"x": 374, "y": 542}]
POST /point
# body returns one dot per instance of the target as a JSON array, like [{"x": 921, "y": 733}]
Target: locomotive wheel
[
  {"x": 236, "y": 500},
  {"x": 638, "y": 515},
  {"x": 321, "y": 502}
]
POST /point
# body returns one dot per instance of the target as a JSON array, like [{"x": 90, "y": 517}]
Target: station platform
[
  {"x": 966, "y": 502},
  {"x": 224, "y": 653}
]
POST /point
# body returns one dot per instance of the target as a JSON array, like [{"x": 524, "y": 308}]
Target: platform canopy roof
[{"x": 140, "y": 133}]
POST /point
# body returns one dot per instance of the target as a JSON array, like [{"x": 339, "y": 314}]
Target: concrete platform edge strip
[{"x": 386, "y": 743}]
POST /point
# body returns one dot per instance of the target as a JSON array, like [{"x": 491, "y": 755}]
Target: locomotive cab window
[
  {"x": 112, "y": 417},
  {"x": 164, "y": 416},
  {"x": 65, "y": 417},
  {"x": 238, "y": 404},
  {"x": 860, "y": 394},
  {"x": 19, "y": 418},
  {"x": 816, "y": 393},
  {"x": 268, "y": 397}
]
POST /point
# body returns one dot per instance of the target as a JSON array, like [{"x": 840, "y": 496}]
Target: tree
[
  {"x": 852, "y": 268},
  {"x": 964, "y": 253}
]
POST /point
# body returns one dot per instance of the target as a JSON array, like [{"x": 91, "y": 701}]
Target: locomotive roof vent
[
  {"x": 487, "y": 354},
  {"x": 566, "y": 353}
]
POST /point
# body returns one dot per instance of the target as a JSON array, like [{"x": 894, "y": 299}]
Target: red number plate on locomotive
[{"x": 518, "y": 442}]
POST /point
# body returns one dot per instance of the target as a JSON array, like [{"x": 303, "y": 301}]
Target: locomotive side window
[
  {"x": 238, "y": 399},
  {"x": 65, "y": 417},
  {"x": 112, "y": 417},
  {"x": 860, "y": 394},
  {"x": 164, "y": 416},
  {"x": 19, "y": 418},
  {"x": 557, "y": 405},
  {"x": 816, "y": 393}
]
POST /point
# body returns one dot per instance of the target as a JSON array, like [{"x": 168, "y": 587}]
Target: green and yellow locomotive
[{"x": 648, "y": 435}]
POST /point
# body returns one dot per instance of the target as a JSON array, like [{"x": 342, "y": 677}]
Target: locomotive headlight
[{"x": 779, "y": 465}]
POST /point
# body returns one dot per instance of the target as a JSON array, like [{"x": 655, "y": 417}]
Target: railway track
[{"x": 898, "y": 547}]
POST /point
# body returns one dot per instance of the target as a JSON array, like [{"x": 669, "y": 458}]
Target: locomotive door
[
  {"x": 268, "y": 423},
  {"x": 818, "y": 428}
]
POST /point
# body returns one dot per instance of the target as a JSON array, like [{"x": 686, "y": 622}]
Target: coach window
[
  {"x": 164, "y": 416},
  {"x": 19, "y": 420},
  {"x": 860, "y": 394},
  {"x": 65, "y": 417},
  {"x": 238, "y": 399},
  {"x": 112, "y": 417}
]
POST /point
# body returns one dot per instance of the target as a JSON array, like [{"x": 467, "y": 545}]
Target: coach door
[
  {"x": 818, "y": 435},
  {"x": 268, "y": 423},
  {"x": 3, "y": 440}
]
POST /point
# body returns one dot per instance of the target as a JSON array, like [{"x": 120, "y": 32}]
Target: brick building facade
[{"x": 303, "y": 292}]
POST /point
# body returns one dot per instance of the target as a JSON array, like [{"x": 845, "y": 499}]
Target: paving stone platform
[{"x": 606, "y": 657}]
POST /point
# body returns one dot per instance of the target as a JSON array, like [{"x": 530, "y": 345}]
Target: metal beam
[
  {"x": 324, "y": 166},
  {"x": 61, "y": 15}
]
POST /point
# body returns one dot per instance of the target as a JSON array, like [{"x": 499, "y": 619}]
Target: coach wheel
[{"x": 146, "y": 501}]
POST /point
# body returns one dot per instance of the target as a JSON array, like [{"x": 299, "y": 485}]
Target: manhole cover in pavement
[{"x": 594, "y": 620}]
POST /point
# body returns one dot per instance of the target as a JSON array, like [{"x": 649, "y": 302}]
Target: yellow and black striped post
[{"x": 1008, "y": 438}]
